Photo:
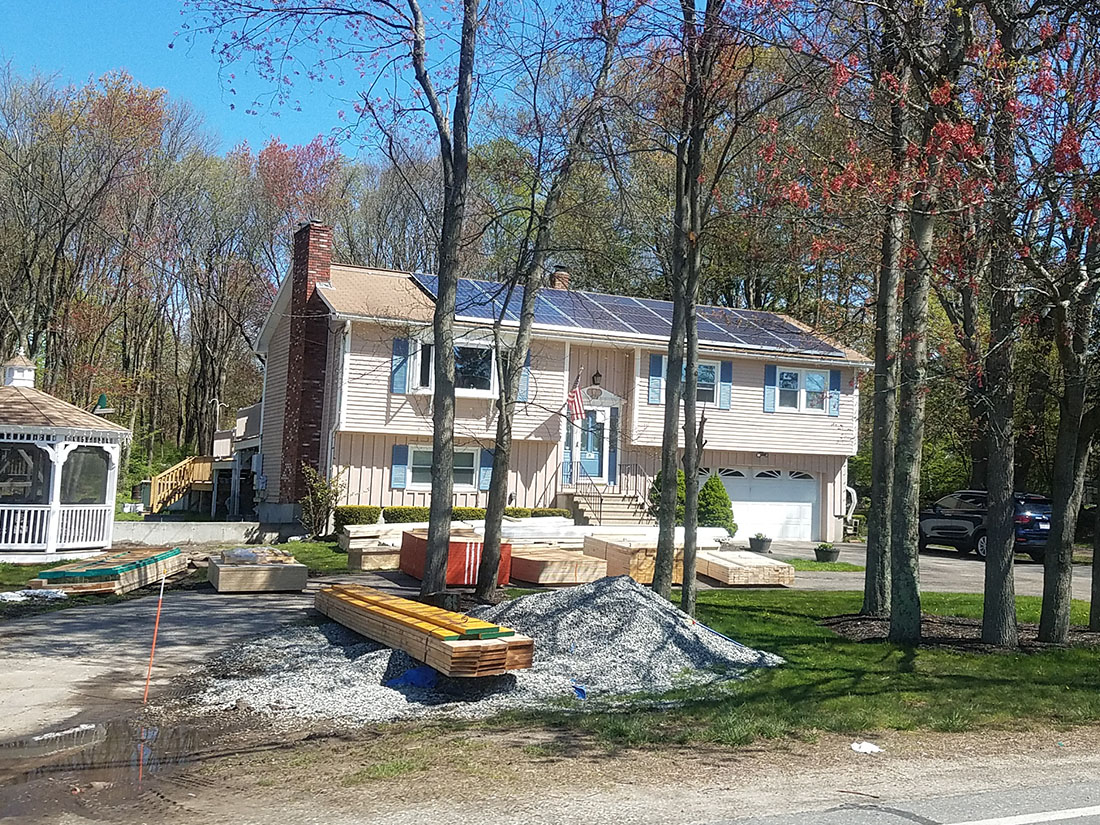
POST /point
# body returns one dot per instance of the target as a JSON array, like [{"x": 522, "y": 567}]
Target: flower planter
[
  {"x": 830, "y": 554},
  {"x": 760, "y": 545}
]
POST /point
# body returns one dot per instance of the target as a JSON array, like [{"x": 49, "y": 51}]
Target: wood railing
[{"x": 169, "y": 486}]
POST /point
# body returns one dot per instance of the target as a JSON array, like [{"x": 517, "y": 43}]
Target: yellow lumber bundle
[{"x": 452, "y": 643}]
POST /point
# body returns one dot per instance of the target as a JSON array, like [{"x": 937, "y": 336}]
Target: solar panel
[{"x": 485, "y": 300}]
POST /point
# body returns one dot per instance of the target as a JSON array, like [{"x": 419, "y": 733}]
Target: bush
[
  {"x": 517, "y": 512},
  {"x": 404, "y": 515},
  {"x": 548, "y": 512},
  {"x": 356, "y": 514},
  {"x": 681, "y": 494},
  {"x": 319, "y": 501},
  {"x": 715, "y": 509},
  {"x": 467, "y": 513}
]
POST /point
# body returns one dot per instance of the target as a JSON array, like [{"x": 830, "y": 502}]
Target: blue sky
[{"x": 75, "y": 40}]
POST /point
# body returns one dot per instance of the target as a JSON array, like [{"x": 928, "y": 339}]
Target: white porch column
[
  {"x": 58, "y": 454},
  {"x": 114, "y": 452}
]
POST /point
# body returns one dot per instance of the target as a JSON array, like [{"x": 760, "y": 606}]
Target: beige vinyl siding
[
  {"x": 274, "y": 406},
  {"x": 371, "y": 407},
  {"x": 364, "y": 460},
  {"x": 745, "y": 426}
]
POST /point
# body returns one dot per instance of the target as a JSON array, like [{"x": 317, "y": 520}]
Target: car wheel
[
  {"x": 1037, "y": 556},
  {"x": 964, "y": 549},
  {"x": 979, "y": 545}
]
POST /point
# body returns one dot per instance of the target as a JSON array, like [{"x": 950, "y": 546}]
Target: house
[
  {"x": 349, "y": 377},
  {"x": 58, "y": 473}
]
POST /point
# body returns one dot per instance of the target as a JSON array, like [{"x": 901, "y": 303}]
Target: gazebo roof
[
  {"x": 18, "y": 360},
  {"x": 26, "y": 410}
]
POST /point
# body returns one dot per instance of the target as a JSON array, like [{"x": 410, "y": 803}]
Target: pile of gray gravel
[{"x": 604, "y": 640}]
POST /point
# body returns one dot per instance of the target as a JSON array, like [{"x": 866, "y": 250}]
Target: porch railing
[
  {"x": 24, "y": 526},
  {"x": 586, "y": 489},
  {"x": 166, "y": 487}
]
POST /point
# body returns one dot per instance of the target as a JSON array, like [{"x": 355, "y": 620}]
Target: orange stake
[{"x": 153, "y": 650}]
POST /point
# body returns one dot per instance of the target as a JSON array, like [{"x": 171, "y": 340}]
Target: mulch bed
[{"x": 952, "y": 633}]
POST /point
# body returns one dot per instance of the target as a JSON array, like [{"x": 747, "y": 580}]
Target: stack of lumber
[
  {"x": 113, "y": 572},
  {"x": 553, "y": 565},
  {"x": 630, "y": 557},
  {"x": 463, "y": 556},
  {"x": 741, "y": 567},
  {"x": 452, "y": 643},
  {"x": 256, "y": 570},
  {"x": 368, "y": 548}
]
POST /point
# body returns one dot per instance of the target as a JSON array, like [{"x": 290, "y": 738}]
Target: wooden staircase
[
  {"x": 194, "y": 473},
  {"x": 611, "y": 508}
]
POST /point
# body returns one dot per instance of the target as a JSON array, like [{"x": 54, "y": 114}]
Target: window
[
  {"x": 424, "y": 374},
  {"x": 24, "y": 474},
  {"x": 465, "y": 470},
  {"x": 802, "y": 390},
  {"x": 473, "y": 369},
  {"x": 788, "y": 389},
  {"x": 815, "y": 391},
  {"x": 800, "y": 475},
  {"x": 769, "y": 474},
  {"x": 731, "y": 473},
  {"x": 707, "y": 383}
]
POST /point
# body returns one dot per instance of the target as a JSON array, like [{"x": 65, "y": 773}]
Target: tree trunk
[
  {"x": 1070, "y": 463},
  {"x": 1094, "y": 601},
  {"x": 905, "y": 613},
  {"x": 454, "y": 153},
  {"x": 999, "y": 609},
  {"x": 876, "y": 585}
]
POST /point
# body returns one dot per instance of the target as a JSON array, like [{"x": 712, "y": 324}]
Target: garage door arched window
[
  {"x": 798, "y": 474},
  {"x": 769, "y": 474},
  {"x": 731, "y": 474}
]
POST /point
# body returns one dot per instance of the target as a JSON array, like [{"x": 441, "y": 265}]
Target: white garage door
[{"x": 781, "y": 504}]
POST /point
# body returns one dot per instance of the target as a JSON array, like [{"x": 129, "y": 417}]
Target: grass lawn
[
  {"x": 827, "y": 566},
  {"x": 16, "y": 576},
  {"x": 832, "y": 684},
  {"x": 319, "y": 556}
]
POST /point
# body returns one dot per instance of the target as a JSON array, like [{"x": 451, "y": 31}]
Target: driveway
[{"x": 942, "y": 571}]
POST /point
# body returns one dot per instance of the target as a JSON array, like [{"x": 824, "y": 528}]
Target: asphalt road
[
  {"x": 944, "y": 571},
  {"x": 1077, "y": 803}
]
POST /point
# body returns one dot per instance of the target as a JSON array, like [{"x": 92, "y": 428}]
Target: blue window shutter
[
  {"x": 834, "y": 393},
  {"x": 725, "y": 385},
  {"x": 770, "y": 389},
  {"x": 485, "y": 470},
  {"x": 399, "y": 366},
  {"x": 567, "y": 454},
  {"x": 525, "y": 380},
  {"x": 613, "y": 447},
  {"x": 656, "y": 370},
  {"x": 399, "y": 468}
]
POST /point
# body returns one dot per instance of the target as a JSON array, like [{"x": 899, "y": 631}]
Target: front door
[{"x": 591, "y": 444}]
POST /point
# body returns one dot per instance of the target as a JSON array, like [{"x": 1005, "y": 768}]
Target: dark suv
[{"x": 959, "y": 521}]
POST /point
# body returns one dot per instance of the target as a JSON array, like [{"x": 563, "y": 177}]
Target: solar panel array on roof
[{"x": 750, "y": 329}]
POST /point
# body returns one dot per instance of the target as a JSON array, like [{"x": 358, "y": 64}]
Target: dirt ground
[
  {"x": 951, "y": 632},
  {"x": 232, "y": 767}
]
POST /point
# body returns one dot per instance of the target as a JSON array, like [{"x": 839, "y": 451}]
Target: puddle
[{"x": 113, "y": 760}]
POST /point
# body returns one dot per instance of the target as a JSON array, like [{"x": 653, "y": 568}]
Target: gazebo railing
[
  {"x": 24, "y": 526},
  {"x": 84, "y": 524},
  {"x": 27, "y": 526}
]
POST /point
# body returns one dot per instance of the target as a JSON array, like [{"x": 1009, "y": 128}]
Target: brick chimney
[
  {"x": 307, "y": 357},
  {"x": 559, "y": 279}
]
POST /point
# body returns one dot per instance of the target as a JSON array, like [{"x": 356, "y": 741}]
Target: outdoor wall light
[{"x": 597, "y": 377}]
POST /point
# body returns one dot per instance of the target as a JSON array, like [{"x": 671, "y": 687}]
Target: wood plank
[
  {"x": 553, "y": 565},
  {"x": 743, "y": 568}
]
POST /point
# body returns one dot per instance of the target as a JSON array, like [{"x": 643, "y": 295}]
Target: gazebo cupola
[{"x": 58, "y": 472}]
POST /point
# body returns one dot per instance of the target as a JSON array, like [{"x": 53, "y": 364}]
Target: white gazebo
[{"x": 58, "y": 473}]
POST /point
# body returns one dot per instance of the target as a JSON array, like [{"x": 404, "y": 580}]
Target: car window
[
  {"x": 971, "y": 502},
  {"x": 948, "y": 503}
]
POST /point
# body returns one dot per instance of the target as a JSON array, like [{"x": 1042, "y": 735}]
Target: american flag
[{"x": 575, "y": 402}]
